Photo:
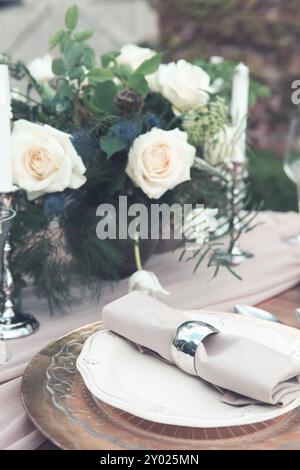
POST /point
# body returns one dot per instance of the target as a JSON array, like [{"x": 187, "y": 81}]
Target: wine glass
[{"x": 291, "y": 165}]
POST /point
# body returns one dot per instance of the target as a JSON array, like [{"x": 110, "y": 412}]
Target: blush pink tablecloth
[{"x": 274, "y": 269}]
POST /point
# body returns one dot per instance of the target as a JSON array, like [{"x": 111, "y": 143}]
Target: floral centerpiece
[{"x": 85, "y": 133}]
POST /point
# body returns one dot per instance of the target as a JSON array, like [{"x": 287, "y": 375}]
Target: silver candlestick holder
[
  {"x": 13, "y": 323},
  {"x": 236, "y": 195}
]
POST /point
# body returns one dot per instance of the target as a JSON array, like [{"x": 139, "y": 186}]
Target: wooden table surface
[{"x": 283, "y": 306}]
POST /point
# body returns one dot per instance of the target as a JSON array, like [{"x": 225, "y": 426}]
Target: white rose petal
[
  {"x": 133, "y": 56},
  {"x": 216, "y": 59},
  {"x": 147, "y": 282},
  {"x": 160, "y": 160},
  {"x": 185, "y": 85},
  {"x": 41, "y": 68},
  {"x": 224, "y": 148},
  {"x": 44, "y": 160},
  {"x": 217, "y": 85}
]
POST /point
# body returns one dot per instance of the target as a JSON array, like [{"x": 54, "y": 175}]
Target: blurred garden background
[{"x": 265, "y": 34}]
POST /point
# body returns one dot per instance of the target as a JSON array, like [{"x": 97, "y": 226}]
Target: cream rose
[
  {"x": 223, "y": 148},
  {"x": 186, "y": 86},
  {"x": 133, "y": 56},
  {"x": 41, "y": 68},
  {"x": 160, "y": 160},
  {"x": 44, "y": 160}
]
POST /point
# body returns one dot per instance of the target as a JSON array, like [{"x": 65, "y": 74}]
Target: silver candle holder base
[
  {"x": 19, "y": 325},
  {"x": 13, "y": 323}
]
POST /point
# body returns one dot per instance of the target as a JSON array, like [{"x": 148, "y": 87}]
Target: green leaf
[
  {"x": 65, "y": 41},
  {"x": 100, "y": 75},
  {"x": 89, "y": 57},
  {"x": 58, "y": 67},
  {"x": 109, "y": 57},
  {"x": 139, "y": 84},
  {"x": 72, "y": 16},
  {"x": 105, "y": 96},
  {"x": 65, "y": 91},
  {"x": 83, "y": 34},
  {"x": 112, "y": 145},
  {"x": 149, "y": 66},
  {"x": 77, "y": 72},
  {"x": 73, "y": 56},
  {"x": 55, "y": 38}
]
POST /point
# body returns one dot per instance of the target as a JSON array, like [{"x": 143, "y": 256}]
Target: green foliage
[
  {"x": 104, "y": 106},
  {"x": 71, "y": 17},
  {"x": 112, "y": 145},
  {"x": 269, "y": 183},
  {"x": 109, "y": 57},
  {"x": 149, "y": 66},
  {"x": 99, "y": 75}
]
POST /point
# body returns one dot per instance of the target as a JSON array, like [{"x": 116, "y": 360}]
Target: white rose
[
  {"x": 224, "y": 148},
  {"x": 133, "y": 56},
  {"x": 216, "y": 60},
  {"x": 44, "y": 160},
  {"x": 41, "y": 69},
  {"x": 159, "y": 160},
  {"x": 186, "y": 86},
  {"x": 147, "y": 282}
]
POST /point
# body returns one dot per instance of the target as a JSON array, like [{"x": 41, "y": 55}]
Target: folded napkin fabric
[{"x": 244, "y": 370}]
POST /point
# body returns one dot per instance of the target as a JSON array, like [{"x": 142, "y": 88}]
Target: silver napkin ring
[{"x": 186, "y": 340}]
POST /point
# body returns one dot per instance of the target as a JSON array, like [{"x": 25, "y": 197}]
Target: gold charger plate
[{"x": 61, "y": 407}]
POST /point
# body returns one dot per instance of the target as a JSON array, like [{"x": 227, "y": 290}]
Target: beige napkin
[{"x": 244, "y": 370}]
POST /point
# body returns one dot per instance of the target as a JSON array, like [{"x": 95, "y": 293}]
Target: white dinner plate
[{"x": 115, "y": 372}]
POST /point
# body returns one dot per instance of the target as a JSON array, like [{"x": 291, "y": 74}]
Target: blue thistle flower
[
  {"x": 125, "y": 130},
  {"x": 150, "y": 121},
  {"x": 84, "y": 144},
  {"x": 53, "y": 206}
]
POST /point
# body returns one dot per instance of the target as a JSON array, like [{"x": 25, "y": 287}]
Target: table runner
[{"x": 274, "y": 269}]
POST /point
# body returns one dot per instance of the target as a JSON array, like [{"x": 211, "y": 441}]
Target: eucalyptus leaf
[
  {"x": 112, "y": 145},
  {"x": 150, "y": 65},
  {"x": 58, "y": 67},
  {"x": 83, "y": 34},
  {"x": 109, "y": 57},
  {"x": 89, "y": 58},
  {"x": 64, "y": 41},
  {"x": 105, "y": 94},
  {"x": 71, "y": 17},
  {"x": 73, "y": 56},
  {"x": 100, "y": 75},
  {"x": 56, "y": 38},
  {"x": 77, "y": 73},
  {"x": 139, "y": 84}
]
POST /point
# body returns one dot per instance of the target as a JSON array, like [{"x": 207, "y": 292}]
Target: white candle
[
  {"x": 6, "y": 181},
  {"x": 239, "y": 104}
]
